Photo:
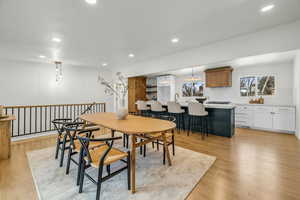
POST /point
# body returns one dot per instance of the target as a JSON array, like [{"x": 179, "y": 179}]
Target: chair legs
[
  {"x": 173, "y": 145},
  {"x": 128, "y": 171},
  {"x": 164, "y": 156},
  {"x": 57, "y": 147},
  {"x": 99, "y": 182},
  {"x": 63, "y": 148},
  {"x": 100, "y": 174},
  {"x": 198, "y": 123},
  {"x": 190, "y": 125},
  {"x": 125, "y": 140},
  {"x": 80, "y": 165},
  {"x": 82, "y": 171},
  {"x": 69, "y": 161}
]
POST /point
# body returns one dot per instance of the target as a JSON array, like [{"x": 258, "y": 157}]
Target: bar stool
[
  {"x": 143, "y": 108},
  {"x": 157, "y": 109},
  {"x": 197, "y": 113},
  {"x": 174, "y": 109}
]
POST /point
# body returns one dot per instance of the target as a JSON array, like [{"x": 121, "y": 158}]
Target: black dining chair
[
  {"x": 169, "y": 135},
  {"x": 73, "y": 132},
  {"x": 62, "y": 141},
  {"x": 100, "y": 156}
]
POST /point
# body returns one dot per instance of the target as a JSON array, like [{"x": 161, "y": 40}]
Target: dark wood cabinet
[
  {"x": 136, "y": 91},
  {"x": 219, "y": 77}
]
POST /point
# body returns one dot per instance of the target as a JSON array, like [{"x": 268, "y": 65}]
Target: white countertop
[
  {"x": 221, "y": 106},
  {"x": 271, "y": 105}
]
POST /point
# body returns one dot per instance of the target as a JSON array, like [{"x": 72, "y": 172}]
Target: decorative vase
[{"x": 122, "y": 113}]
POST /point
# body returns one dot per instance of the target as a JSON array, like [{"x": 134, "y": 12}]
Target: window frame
[{"x": 256, "y": 84}]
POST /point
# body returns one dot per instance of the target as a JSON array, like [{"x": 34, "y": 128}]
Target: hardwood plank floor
[{"x": 251, "y": 165}]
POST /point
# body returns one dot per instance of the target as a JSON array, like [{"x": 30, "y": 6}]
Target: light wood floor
[{"x": 251, "y": 165}]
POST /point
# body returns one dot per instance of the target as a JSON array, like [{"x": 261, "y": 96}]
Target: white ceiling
[
  {"x": 272, "y": 58},
  {"x": 110, "y": 30}
]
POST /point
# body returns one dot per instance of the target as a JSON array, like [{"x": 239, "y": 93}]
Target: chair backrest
[
  {"x": 85, "y": 141},
  {"x": 59, "y": 124},
  {"x": 196, "y": 109},
  {"x": 174, "y": 107},
  {"x": 165, "y": 117},
  {"x": 156, "y": 106},
  {"x": 142, "y": 105},
  {"x": 74, "y": 129}
]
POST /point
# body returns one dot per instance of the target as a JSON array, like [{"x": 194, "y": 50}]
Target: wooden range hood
[{"x": 219, "y": 77}]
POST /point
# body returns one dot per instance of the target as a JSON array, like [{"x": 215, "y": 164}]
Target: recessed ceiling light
[
  {"x": 131, "y": 55},
  {"x": 91, "y": 1},
  {"x": 175, "y": 40},
  {"x": 267, "y": 8},
  {"x": 55, "y": 39},
  {"x": 104, "y": 64},
  {"x": 42, "y": 56}
]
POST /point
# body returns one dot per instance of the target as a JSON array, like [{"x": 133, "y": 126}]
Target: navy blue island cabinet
[{"x": 221, "y": 121}]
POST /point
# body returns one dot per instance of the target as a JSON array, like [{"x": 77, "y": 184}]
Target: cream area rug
[{"x": 153, "y": 179}]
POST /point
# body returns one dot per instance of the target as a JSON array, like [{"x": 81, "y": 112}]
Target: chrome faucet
[{"x": 176, "y": 97}]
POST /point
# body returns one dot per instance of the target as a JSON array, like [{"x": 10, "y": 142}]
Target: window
[
  {"x": 247, "y": 86},
  {"x": 192, "y": 89},
  {"x": 257, "y": 86},
  {"x": 265, "y": 85}
]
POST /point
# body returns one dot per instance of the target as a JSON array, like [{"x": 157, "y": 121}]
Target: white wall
[
  {"x": 283, "y": 83},
  {"x": 297, "y": 92},
  {"x": 277, "y": 39},
  {"x": 24, "y": 83}
]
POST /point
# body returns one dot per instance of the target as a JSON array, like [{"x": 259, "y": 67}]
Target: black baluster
[
  {"x": 46, "y": 108},
  {"x": 24, "y": 121},
  {"x": 50, "y": 118},
  {"x": 30, "y": 115},
  {"x": 18, "y": 121},
  {"x": 59, "y": 111},
  {"x": 54, "y": 112},
  {"x": 63, "y": 110},
  {"x": 35, "y": 119},
  {"x": 12, "y": 124},
  {"x": 41, "y": 119}
]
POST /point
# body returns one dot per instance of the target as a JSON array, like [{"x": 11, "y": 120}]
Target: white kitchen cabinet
[
  {"x": 165, "y": 89},
  {"x": 284, "y": 118},
  {"x": 244, "y": 116},
  {"x": 272, "y": 118},
  {"x": 263, "y": 117}
]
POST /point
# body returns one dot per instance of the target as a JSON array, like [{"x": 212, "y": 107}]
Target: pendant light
[
  {"x": 193, "y": 78},
  {"x": 59, "y": 73}
]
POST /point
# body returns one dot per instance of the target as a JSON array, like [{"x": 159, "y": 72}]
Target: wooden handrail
[
  {"x": 32, "y": 119},
  {"x": 51, "y": 105}
]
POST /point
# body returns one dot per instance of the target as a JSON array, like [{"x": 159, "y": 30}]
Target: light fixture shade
[
  {"x": 59, "y": 71},
  {"x": 193, "y": 78}
]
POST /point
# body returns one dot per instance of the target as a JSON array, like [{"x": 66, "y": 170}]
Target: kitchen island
[{"x": 221, "y": 118}]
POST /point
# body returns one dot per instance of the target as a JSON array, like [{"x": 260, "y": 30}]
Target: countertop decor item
[
  {"x": 257, "y": 101},
  {"x": 119, "y": 88}
]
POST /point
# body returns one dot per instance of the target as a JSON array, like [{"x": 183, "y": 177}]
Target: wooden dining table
[{"x": 134, "y": 126}]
